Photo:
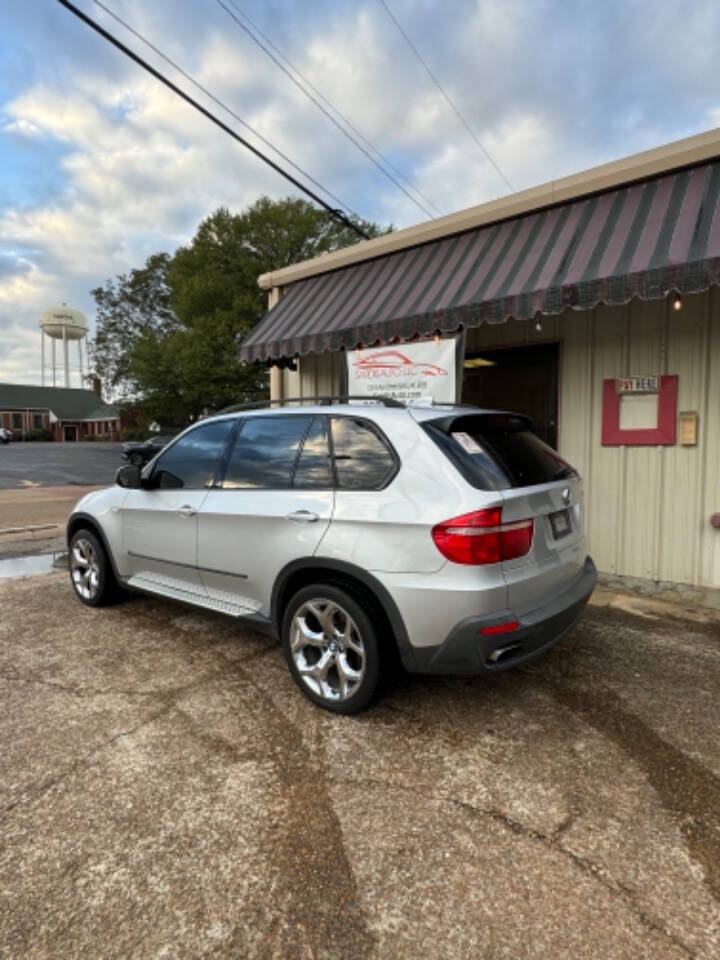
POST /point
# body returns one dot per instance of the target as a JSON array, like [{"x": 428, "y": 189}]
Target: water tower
[{"x": 63, "y": 323}]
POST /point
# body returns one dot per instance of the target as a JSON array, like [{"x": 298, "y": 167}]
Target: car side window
[
  {"x": 265, "y": 452},
  {"x": 363, "y": 460},
  {"x": 313, "y": 470},
  {"x": 190, "y": 463}
]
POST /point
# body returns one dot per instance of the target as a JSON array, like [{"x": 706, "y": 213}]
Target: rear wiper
[{"x": 563, "y": 472}]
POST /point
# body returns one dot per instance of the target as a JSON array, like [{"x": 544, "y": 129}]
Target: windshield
[{"x": 496, "y": 451}]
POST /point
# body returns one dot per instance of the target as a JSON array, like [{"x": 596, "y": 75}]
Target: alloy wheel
[
  {"x": 327, "y": 649},
  {"x": 85, "y": 568}
]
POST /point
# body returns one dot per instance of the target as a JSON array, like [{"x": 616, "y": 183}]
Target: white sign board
[
  {"x": 406, "y": 371},
  {"x": 637, "y": 384}
]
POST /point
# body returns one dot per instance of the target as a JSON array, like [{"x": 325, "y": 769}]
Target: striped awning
[{"x": 641, "y": 240}]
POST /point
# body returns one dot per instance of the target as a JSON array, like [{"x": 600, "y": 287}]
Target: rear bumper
[{"x": 467, "y": 650}]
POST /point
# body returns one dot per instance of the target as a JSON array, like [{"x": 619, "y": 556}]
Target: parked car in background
[
  {"x": 5, "y": 435},
  {"x": 449, "y": 536},
  {"x": 140, "y": 452}
]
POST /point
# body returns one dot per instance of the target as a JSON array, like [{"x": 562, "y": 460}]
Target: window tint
[
  {"x": 313, "y": 468},
  {"x": 265, "y": 452},
  {"x": 190, "y": 463},
  {"x": 496, "y": 451},
  {"x": 362, "y": 460}
]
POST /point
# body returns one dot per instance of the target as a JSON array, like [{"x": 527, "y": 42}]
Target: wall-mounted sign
[
  {"x": 406, "y": 371},
  {"x": 637, "y": 384},
  {"x": 688, "y": 428},
  {"x": 629, "y": 429}
]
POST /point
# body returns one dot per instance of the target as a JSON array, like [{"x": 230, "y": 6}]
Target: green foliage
[
  {"x": 37, "y": 435},
  {"x": 128, "y": 307},
  {"x": 168, "y": 333}
]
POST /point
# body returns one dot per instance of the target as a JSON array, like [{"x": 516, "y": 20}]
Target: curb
[{"x": 31, "y": 529}]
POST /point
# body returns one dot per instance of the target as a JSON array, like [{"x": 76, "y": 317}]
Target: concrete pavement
[
  {"x": 32, "y": 520},
  {"x": 165, "y": 791}
]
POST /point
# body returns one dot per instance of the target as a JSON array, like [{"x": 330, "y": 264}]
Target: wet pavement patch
[{"x": 15, "y": 568}]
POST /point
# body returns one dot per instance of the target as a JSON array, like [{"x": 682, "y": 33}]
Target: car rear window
[{"x": 497, "y": 451}]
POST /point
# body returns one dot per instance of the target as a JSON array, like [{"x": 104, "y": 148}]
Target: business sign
[
  {"x": 408, "y": 371},
  {"x": 637, "y": 384}
]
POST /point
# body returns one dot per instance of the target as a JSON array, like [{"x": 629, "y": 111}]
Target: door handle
[
  {"x": 187, "y": 511},
  {"x": 303, "y": 516}
]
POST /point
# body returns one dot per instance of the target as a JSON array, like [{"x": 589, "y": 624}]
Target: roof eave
[{"x": 639, "y": 166}]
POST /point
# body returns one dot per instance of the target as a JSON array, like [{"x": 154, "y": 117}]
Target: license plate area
[{"x": 560, "y": 524}]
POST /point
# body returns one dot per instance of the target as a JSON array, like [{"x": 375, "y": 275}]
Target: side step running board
[{"x": 172, "y": 592}]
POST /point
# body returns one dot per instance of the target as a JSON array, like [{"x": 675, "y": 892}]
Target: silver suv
[{"x": 449, "y": 535}]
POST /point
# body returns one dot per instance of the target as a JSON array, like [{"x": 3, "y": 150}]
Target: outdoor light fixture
[
  {"x": 676, "y": 301},
  {"x": 474, "y": 362},
  {"x": 538, "y": 325}
]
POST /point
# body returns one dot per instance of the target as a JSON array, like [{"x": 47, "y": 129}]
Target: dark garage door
[{"x": 521, "y": 379}]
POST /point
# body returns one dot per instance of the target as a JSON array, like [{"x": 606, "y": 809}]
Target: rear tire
[
  {"x": 331, "y": 648},
  {"x": 91, "y": 572}
]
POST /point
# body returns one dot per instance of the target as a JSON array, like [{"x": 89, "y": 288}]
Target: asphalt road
[
  {"x": 51, "y": 464},
  {"x": 165, "y": 791}
]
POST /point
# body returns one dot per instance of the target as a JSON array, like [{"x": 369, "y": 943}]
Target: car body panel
[
  {"x": 231, "y": 552},
  {"x": 552, "y": 560},
  {"x": 160, "y": 533},
  {"x": 245, "y": 537}
]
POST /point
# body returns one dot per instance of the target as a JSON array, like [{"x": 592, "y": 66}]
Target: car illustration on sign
[{"x": 396, "y": 362}]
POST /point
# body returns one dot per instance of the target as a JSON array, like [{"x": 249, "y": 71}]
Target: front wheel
[
  {"x": 331, "y": 648},
  {"x": 137, "y": 459},
  {"x": 90, "y": 571}
]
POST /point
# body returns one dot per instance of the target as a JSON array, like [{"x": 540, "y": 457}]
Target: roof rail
[{"x": 319, "y": 401}]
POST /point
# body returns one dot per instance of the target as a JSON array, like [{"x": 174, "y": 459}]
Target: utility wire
[
  {"x": 224, "y": 106},
  {"x": 328, "y": 103},
  {"x": 321, "y": 107},
  {"x": 437, "y": 83},
  {"x": 337, "y": 214}
]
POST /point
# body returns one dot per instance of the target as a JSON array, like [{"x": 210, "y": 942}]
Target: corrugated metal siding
[{"x": 647, "y": 508}]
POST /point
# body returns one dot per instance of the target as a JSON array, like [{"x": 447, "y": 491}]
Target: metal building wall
[{"x": 647, "y": 508}]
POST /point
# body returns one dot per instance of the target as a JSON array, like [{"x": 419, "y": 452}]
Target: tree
[
  {"x": 170, "y": 332},
  {"x": 127, "y": 307}
]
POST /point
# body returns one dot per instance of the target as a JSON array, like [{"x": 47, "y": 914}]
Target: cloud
[{"x": 100, "y": 166}]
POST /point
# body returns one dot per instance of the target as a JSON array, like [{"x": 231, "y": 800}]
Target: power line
[
  {"x": 437, "y": 83},
  {"x": 328, "y": 103},
  {"x": 317, "y": 103},
  {"x": 337, "y": 214},
  {"x": 220, "y": 103}
]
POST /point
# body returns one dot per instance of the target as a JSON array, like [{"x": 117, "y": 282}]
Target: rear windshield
[{"x": 497, "y": 451}]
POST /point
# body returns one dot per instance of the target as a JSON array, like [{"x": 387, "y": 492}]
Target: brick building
[{"x": 68, "y": 414}]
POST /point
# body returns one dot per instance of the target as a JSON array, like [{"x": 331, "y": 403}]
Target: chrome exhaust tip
[{"x": 506, "y": 652}]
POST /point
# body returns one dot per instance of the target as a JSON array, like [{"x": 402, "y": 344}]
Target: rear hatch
[{"x": 499, "y": 452}]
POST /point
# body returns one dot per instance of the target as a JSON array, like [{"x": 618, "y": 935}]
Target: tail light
[{"x": 481, "y": 537}]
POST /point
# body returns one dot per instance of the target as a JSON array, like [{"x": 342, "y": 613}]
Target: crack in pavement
[
  {"x": 549, "y": 841},
  {"x": 687, "y": 790},
  {"x": 35, "y": 792},
  {"x": 169, "y": 699},
  {"x": 78, "y": 690}
]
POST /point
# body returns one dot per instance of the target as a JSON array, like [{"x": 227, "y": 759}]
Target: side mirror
[{"x": 129, "y": 477}]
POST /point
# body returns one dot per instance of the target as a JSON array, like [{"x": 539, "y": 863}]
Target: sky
[{"x": 101, "y": 166}]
